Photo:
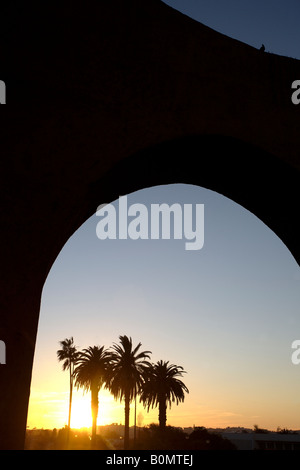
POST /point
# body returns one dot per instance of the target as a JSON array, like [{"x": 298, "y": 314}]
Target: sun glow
[
  {"x": 81, "y": 412},
  {"x": 109, "y": 410}
]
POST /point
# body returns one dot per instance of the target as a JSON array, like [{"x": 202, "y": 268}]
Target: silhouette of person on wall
[{"x": 262, "y": 49}]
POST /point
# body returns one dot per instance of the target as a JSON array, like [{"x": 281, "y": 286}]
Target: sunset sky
[{"x": 227, "y": 313}]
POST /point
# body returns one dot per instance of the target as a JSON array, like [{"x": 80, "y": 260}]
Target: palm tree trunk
[
  {"x": 162, "y": 413},
  {"x": 127, "y": 412},
  {"x": 135, "y": 418},
  {"x": 95, "y": 406},
  {"x": 70, "y": 405},
  {"x": 70, "y": 400}
]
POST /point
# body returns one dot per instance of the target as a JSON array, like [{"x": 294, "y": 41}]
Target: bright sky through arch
[{"x": 227, "y": 313}]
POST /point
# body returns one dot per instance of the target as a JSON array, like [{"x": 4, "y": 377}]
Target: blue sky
[
  {"x": 274, "y": 23},
  {"x": 227, "y": 313}
]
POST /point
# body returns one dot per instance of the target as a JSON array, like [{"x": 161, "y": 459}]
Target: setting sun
[
  {"x": 109, "y": 411},
  {"x": 81, "y": 413}
]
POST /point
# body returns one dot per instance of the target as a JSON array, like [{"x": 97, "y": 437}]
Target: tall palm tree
[
  {"x": 91, "y": 374},
  {"x": 162, "y": 387},
  {"x": 68, "y": 354},
  {"x": 128, "y": 368}
]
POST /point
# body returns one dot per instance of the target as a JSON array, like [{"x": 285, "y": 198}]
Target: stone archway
[{"x": 114, "y": 103}]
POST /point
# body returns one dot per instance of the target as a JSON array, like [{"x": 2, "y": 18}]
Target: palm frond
[
  {"x": 92, "y": 369},
  {"x": 68, "y": 353},
  {"x": 161, "y": 382},
  {"x": 127, "y": 368}
]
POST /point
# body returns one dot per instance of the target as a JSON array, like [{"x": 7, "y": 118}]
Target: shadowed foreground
[{"x": 149, "y": 438}]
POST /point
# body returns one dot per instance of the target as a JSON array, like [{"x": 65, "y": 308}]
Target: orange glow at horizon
[{"x": 49, "y": 411}]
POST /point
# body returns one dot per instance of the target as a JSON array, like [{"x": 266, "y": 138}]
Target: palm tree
[
  {"x": 91, "y": 374},
  {"x": 68, "y": 354},
  {"x": 128, "y": 368},
  {"x": 162, "y": 387}
]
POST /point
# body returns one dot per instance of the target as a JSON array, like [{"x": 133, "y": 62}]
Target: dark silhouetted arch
[{"x": 104, "y": 98}]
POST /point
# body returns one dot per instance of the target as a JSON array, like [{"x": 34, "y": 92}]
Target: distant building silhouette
[{"x": 264, "y": 441}]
